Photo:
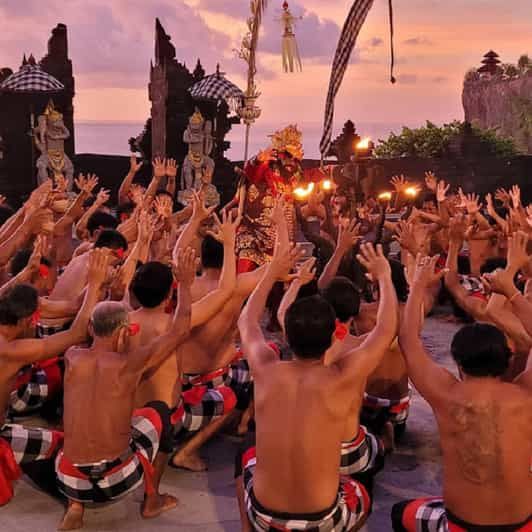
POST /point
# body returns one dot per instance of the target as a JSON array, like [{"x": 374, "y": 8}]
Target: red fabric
[
  {"x": 9, "y": 472},
  {"x": 194, "y": 395},
  {"x": 229, "y": 398},
  {"x": 152, "y": 416},
  {"x": 245, "y": 266},
  {"x": 409, "y": 515},
  {"x": 341, "y": 331},
  {"x": 249, "y": 455},
  {"x": 53, "y": 374}
]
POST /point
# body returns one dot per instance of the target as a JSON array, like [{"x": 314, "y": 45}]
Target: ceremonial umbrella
[
  {"x": 30, "y": 80},
  {"x": 217, "y": 88}
]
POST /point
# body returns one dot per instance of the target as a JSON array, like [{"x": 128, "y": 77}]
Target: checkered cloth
[
  {"x": 112, "y": 479},
  {"x": 216, "y": 87},
  {"x": 363, "y": 454},
  {"x": 352, "y": 26},
  {"x": 394, "y": 410},
  {"x": 205, "y": 398},
  {"x": 351, "y": 508},
  {"x": 429, "y": 515},
  {"x": 35, "y": 385},
  {"x": 473, "y": 286},
  {"x": 31, "y": 78},
  {"x": 43, "y": 330},
  {"x": 31, "y": 444}
]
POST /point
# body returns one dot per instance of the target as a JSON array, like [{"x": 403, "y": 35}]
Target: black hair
[
  {"x": 18, "y": 303},
  {"x": 492, "y": 264},
  {"x": 5, "y": 213},
  {"x": 101, "y": 220},
  {"x": 399, "y": 280},
  {"x": 152, "y": 284},
  {"x": 343, "y": 297},
  {"x": 212, "y": 253},
  {"x": 20, "y": 261},
  {"x": 309, "y": 326},
  {"x": 481, "y": 350},
  {"x": 164, "y": 192},
  {"x": 109, "y": 238}
]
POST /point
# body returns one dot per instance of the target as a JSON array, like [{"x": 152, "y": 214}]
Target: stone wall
[{"x": 505, "y": 104}]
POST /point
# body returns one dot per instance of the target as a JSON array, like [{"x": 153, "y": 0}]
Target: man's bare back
[
  {"x": 486, "y": 438},
  {"x": 99, "y": 400}
]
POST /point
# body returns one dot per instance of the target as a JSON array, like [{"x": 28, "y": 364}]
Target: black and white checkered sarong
[{"x": 31, "y": 444}]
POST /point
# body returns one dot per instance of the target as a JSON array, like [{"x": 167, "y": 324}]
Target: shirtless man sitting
[
  {"x": 216, "y": 376},
  {"x": 18, "y": 309},
  {"x": 109, "y": 447},
  {"x": 485, "y": 428},
  {"x": 291, "y": 479}
]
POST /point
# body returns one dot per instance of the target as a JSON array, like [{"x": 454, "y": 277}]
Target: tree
[{"x": 524, "y": 64}]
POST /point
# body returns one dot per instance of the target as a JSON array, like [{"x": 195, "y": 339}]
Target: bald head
[{"x": 107, "y": 317}]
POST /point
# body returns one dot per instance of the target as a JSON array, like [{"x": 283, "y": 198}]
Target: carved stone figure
[
  {"x": 50, "y": 135},
  {"x": 198, "y": 167}
]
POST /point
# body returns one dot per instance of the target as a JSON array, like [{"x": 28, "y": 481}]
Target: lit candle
[
  {"x": 303, "y": 192},
  {"x": 411, "y": 192},
  {"x": 385, "y": 196},
  {"x": 363, "y": 144}
]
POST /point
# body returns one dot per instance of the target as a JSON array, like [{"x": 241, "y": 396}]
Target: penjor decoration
[{"x": 290, "y": 50}]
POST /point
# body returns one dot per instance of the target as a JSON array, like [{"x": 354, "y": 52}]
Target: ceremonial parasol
[
  {"x": 31, "y": 79},
  {"x": 217, "y": 88}
]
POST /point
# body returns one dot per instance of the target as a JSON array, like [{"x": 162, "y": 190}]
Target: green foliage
[
  {"x": 434, "y": 141},
  {"x": 524, "y": 64}
]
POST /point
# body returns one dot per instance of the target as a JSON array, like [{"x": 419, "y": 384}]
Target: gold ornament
[
  {"x": 196, "y": 118},
  {"x": 288, "y": 139},
  {"x": 52, "y": 113}
]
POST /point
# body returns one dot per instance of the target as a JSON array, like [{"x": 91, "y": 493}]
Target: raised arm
[
  {"x": 305, "y": 275},
  {"x": 258, "y": 352},
  {"x": 364, "y": 359},
  {"x": 431, "y": 380},
  {"x": 81, "y": 227},
  {"x": 347, "y": 238},
  {"x": 153, "y": 354},
  {"x": 171, "y": 176},
  {"x": 27, "y": 351},
  {"x": 134, "y": 167},
  {"x": 204, "y": 309}
]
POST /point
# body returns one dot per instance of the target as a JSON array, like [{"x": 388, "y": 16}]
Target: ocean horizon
[{"x": 111, "y": 138}]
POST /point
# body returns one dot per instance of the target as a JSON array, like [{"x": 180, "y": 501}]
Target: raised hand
[
  {"x": 442, "y": 189},
  {"x": 185, "y": 266},
  {"x": 489, "y": 205},
  {"x": 431, "y": 181},
  {"x": 163, "y": 206},
  {"x": 529, "y": 215},
  {"x": 98, "y": 267},
  {"x": 159, "y": 167},
  {"x": 518, "y": 256},
  {"x": 406, "y": 238},
  {"x": 136, "y": 194},
  {"x": 225, "y": 230},
  {"x": 278, "y": 212},
  {"x": 61, "y": 183},
  {"x": 284, "y": 259},
  {"x": 199, "y": 211},
  {"x": 472, "y": 203},
  {"x": 503, "y": 196},
  {"x": 307, "y": 271},
  {"x": 515, "y": 196},
  {"x": 499, "y": 282},
  {"x": 399, "y": 183},
  {"x": 171, "y": 168},
  {"x": 425, "y": 273},
  {"x": 134, "y": 166},
  {"x": 374, "y": 261},
  {"x": 3, "y": 199},
  {"x": 103, "y": 197},
  {"x": 348, "y": 236},
  {"x": 146, "y": 224},
  {"x": 34, "y": 262}
]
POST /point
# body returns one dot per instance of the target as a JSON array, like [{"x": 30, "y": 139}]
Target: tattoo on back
[{"x": 477, "y": 428}]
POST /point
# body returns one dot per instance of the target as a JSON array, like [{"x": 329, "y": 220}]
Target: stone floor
[{"x": 207, "y": 502}]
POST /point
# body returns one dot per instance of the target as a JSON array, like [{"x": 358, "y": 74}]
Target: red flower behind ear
[
  {"x": 44, "y": 271},
  {"x": 124, "y": 216},
  {"x": 134, "y": 329},
  {"x": 341, "y": 331},
  {"x": 36, "y": 318},
  {"x": 120, "y": 253}
]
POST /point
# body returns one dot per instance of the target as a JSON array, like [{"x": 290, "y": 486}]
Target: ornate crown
[
  {"x": 288, "y": 139},
  {"x": 51, "y": 112},
  {"x": 196, "y": 118}
]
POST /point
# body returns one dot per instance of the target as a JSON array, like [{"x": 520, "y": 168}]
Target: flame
[
  {"x": 302, "y": 192},
  {"x": 411, "y": 192},
  {"x": 385, "y": 196},
  {"x": 326, "y": 184},
  {"x": 364, "y": 144}
]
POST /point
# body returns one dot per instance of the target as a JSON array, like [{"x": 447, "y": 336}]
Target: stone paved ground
[{"x": 207, "y": 500}]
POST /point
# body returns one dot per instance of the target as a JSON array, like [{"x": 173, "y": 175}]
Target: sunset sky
[{"x": 111, "y": 44}]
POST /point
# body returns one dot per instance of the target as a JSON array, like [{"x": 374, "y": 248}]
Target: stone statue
[
  {"x": 198, "y": 167},
  {"x": 50, "y": 135}
]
